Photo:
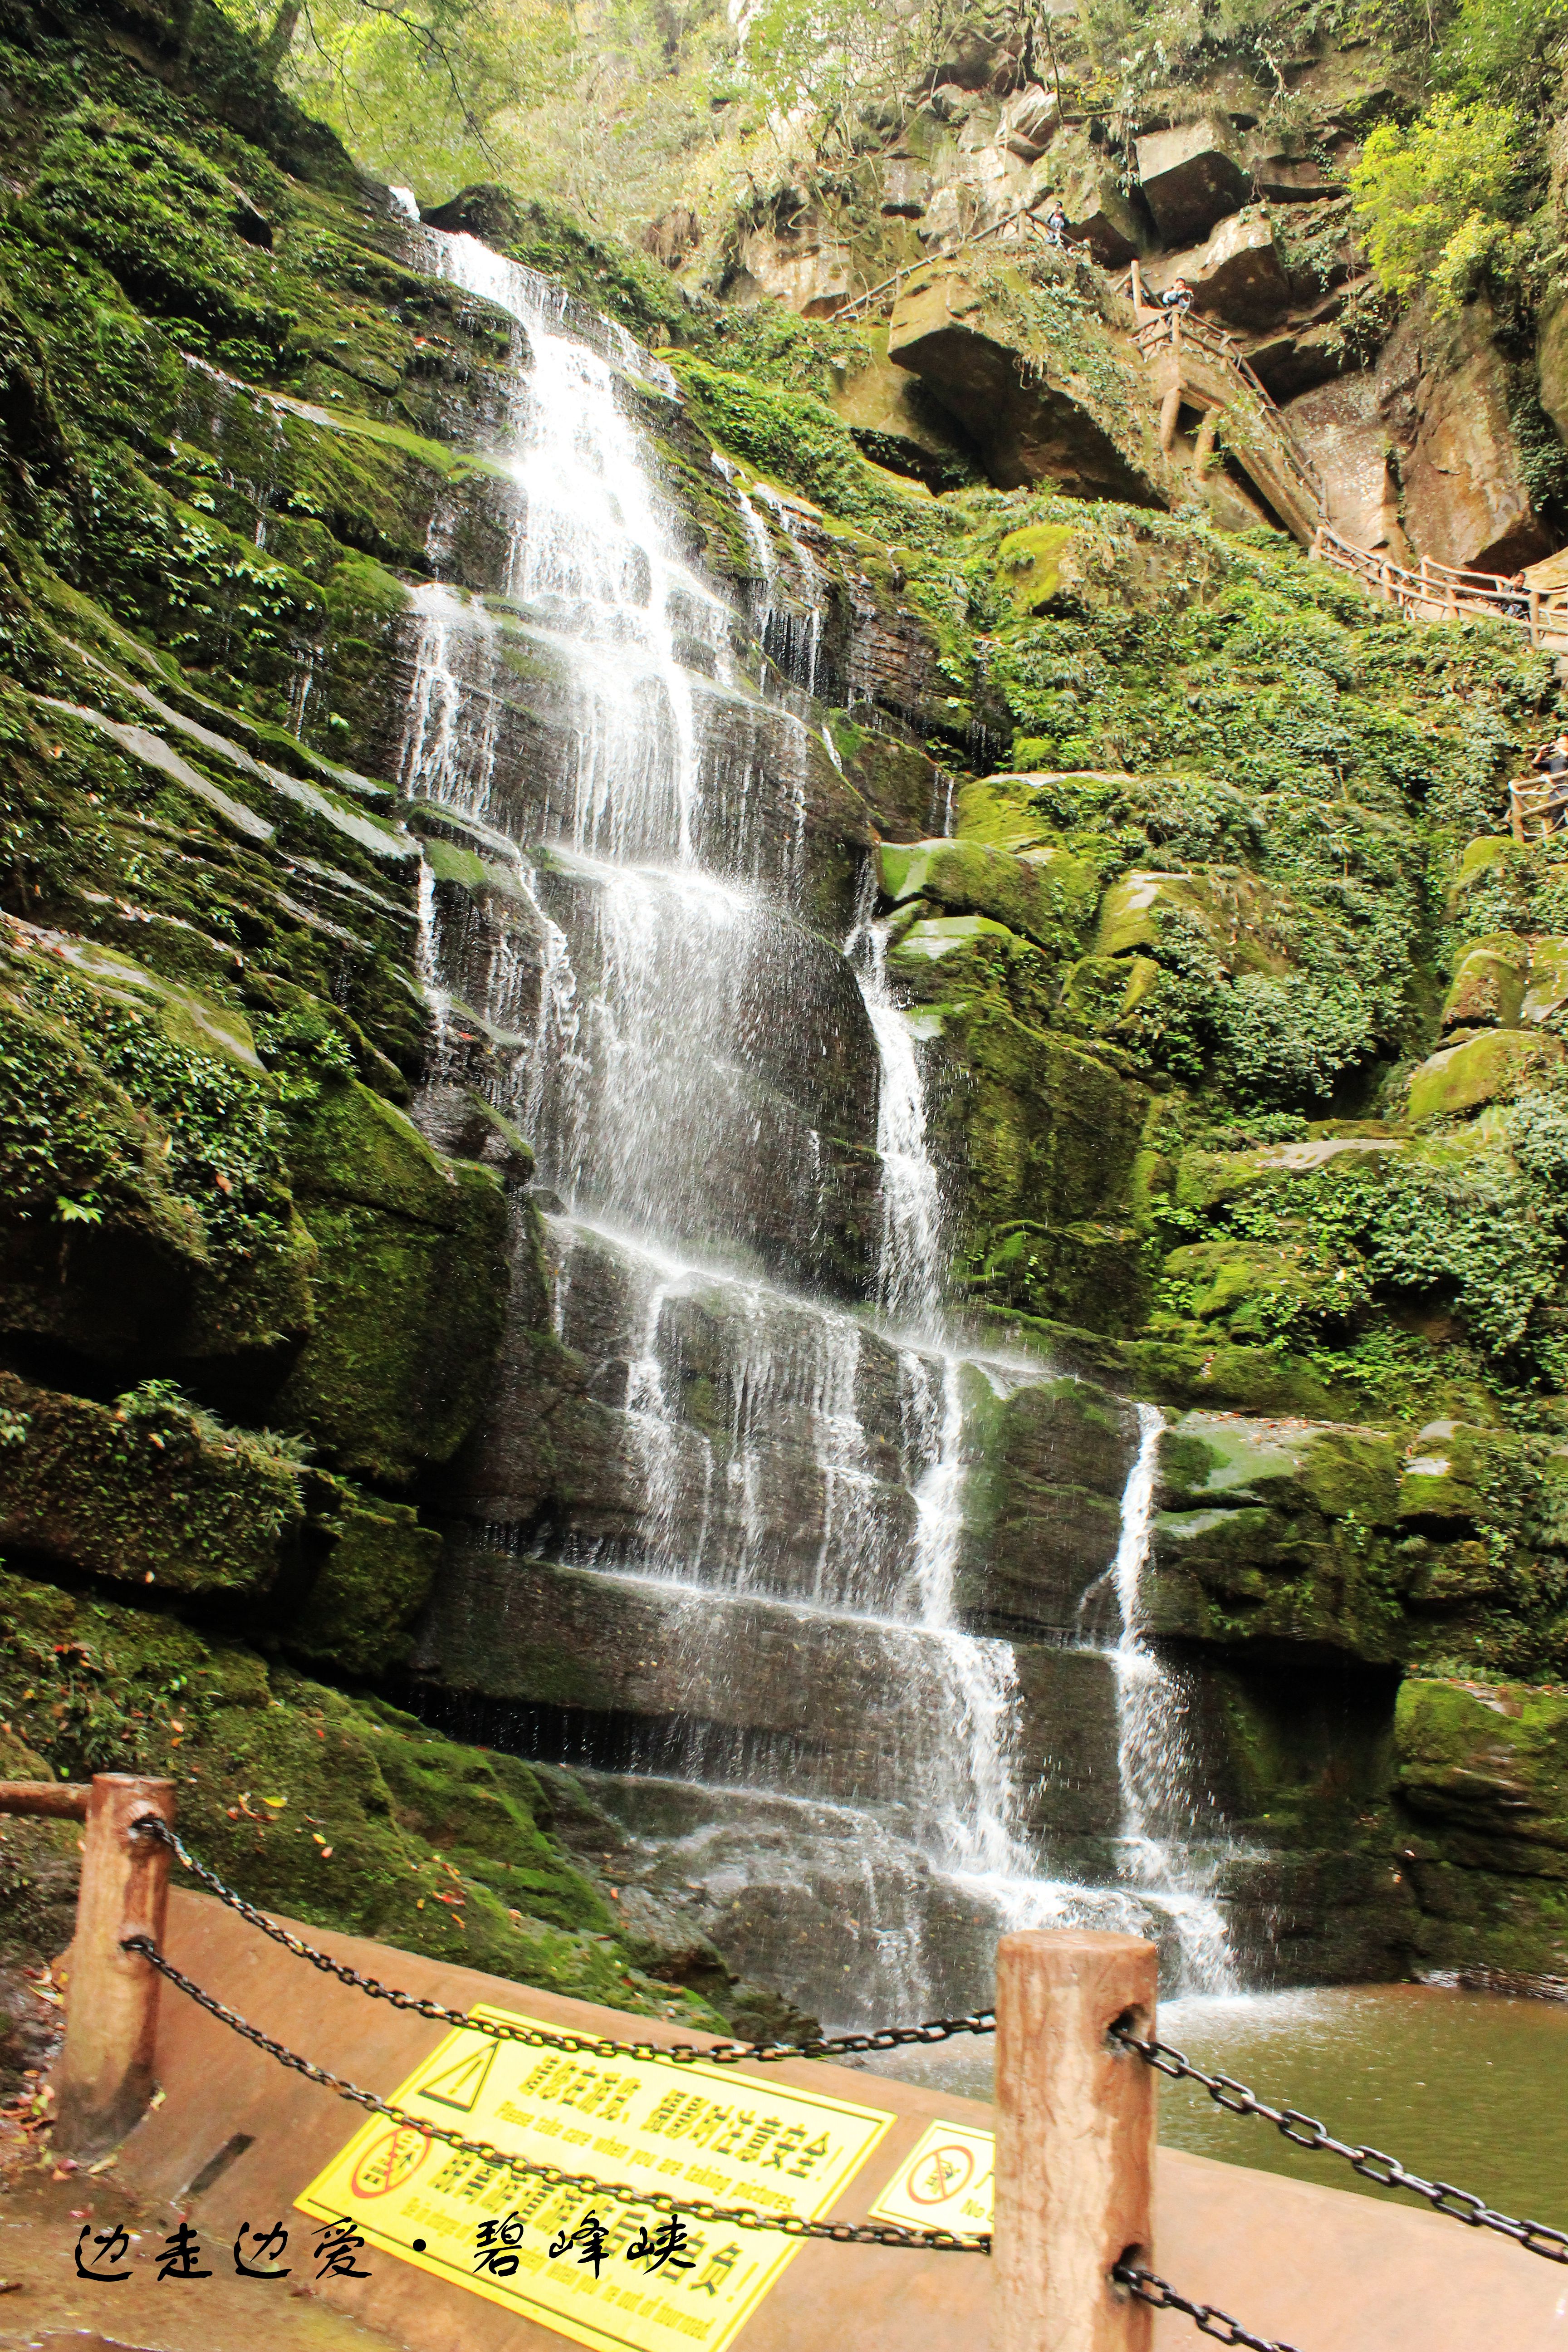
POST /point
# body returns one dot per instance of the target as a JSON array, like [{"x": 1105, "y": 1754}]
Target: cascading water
[
  {"x": 1160, "y": 1814},
  {"x": 786, "y": 1504}
]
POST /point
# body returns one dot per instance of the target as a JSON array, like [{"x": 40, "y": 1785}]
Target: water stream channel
[{"x": 743, "y": 1232}]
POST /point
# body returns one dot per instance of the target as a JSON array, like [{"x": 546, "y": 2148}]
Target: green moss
[
  {"x": 375, "y": 1825},
  {"x": 1029, "y": 562},
  {"x": 1483, "y": 1775},
  {"x": 147, "y": 1491},
  {"x": 376, "y": 1578},
  {"x": 1048, "y": 895},
  {"x": 1463, "y": 1077},
  {"x": 797, "y": 439},
  {"x": 410, "y": 1293}
]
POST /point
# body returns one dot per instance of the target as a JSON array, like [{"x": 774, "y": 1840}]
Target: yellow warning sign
[
  {"x": 945, "y": 2184},
  {"x": 615, "y": 2277}
]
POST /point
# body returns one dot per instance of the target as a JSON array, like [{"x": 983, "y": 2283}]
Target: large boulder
[
  {"x": 896, "y": 421},
  {"x": 1338, "y": 425},
  {"x": 1191, "y": 176},
  {"x": 1046, "y": 894},
  {"x": 1039, "y": 389},
  {"x": 1450, "y": 399},
  {"x": 1484, "y": 1069},
  {"x": 1237, "y": 275}
]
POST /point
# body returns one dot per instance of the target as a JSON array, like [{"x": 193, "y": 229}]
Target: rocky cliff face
[
  {"x": 1430, "y": 434},
  {"x": 1241, "y": 1022}
]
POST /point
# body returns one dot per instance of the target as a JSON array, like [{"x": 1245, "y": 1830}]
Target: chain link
[
  {"x": 620, "y": 2193},
  {"x": 1383, "y": 2171},
  {"x": 672, "y": 2053},
  {"x": 1149, "y": 2287}
]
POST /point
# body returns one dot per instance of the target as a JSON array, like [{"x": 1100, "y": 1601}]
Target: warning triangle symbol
[{"x": 460, "y": 2085}]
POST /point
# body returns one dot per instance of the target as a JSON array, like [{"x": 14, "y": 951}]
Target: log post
[
  {"x": 105, "y": 2076},
  {"x": 1075, "y": 2142},
  {"x": 1535, "y": 617},
  {"x": 1169, "y": 413}
]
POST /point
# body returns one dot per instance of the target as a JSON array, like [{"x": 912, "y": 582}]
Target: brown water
[{"x": 1464, "y": 2087}]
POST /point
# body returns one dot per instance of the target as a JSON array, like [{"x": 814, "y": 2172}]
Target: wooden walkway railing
[
  {"x": 1434, "y": 592},
  {"x": 1536, "y": 807},
  {"x": 875, "y": 295},
  {"x": 1178, "y": 332},
  {"x": 1440, "y": 591}
]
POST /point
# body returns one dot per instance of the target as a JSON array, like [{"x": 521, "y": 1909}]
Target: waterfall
[
  {"x": 909, "y": 1274},
  {"x": 784, "y": 1473},
  {"x": 1153, "y": 1758}
]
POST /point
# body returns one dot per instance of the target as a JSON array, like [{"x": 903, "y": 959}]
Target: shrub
[{"x": 1436, "y": 202}]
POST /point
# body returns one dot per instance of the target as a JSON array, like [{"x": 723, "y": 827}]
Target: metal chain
[
  {"x": 1149, "y": 2287},
  {"x": 673, "y": 2054},
  {"x": 1382, "y": 2172},
  {"x": 620, "y": 2193}
]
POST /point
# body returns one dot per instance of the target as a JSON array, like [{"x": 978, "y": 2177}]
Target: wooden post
[
  {"x": 1535, "y": 617},
  {"x": 1169, "y": 413},
  {"x": 105, "y": 2076},
  {"x": 1206, "y": 441},
  {"x": 1075, "y": 2142}
]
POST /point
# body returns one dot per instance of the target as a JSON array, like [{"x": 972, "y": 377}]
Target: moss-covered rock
[
  {"x": 337, "y": 1812},
  {"x": 1489, "y": 983},
  {"x": 1484, "y": 1069},
  {"x": 1046, "y": 894},
  {"x": 367, "y": 1591},
  {"x": 1482, "y": 1776},
  {"x": 411, "y": 1291},
  {"x": 147, "y": 1491},
  {"x": 1041, "y": 1501}
]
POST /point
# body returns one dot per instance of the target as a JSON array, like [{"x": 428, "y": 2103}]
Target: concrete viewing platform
[{"x": 236, "y": 2141}]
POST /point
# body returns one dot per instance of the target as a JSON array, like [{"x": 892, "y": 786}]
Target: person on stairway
[
  {"x": 1178, "y": 296},
  {"x": 1550, "y": 762},
  {"x": 1054, "y": 224}
]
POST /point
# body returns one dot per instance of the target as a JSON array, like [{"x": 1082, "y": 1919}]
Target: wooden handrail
[
  {"x": 57, "y": 1801},
  {"x": 934, "y": 260},
  {"x": 1442, "y": 587},
  {"x": 1174, "y": 327}
]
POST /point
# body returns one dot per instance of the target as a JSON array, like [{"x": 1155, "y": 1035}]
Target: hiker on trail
[
  {"x": 1550, "y": 763},
  {"x": 1178, "y": 296},
  {"x": 1055, "y": 224},
  {"x": 1517, "y": 590}
]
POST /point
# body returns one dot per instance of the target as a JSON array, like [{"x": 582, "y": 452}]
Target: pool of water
[{"x": 1461, "y": 2086}]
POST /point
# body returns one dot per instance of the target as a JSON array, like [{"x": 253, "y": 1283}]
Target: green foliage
[
  {"x": 218, "y": 1146},
  {"x": 303, "y": 1048},
  {"x": 156, "y": 212},
  {"x": 1502, "y": 49},
  {"x": 797, "y": 440},
  {"x": 1469, "y": 1234},
  {"x": 1437, "y": 203},
  {"x": 1288, "y": 1040}
]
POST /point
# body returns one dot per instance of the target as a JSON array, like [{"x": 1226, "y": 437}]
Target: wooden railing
[
  {"x": 874, "y": 294},
  {"x": 1176, "y": 330},
  {"x": 1537, "y": 806},
  {"x": 1441, "y": 591},
  {"x": 104, "y": 2079}
]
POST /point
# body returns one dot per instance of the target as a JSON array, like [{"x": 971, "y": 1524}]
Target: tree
[
  {"x": 414, "y": 85},
  {"x": 1437, "y": 203}
]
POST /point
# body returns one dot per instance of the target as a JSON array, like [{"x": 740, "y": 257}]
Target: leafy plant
[{"x": 1437, "y": 203}]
